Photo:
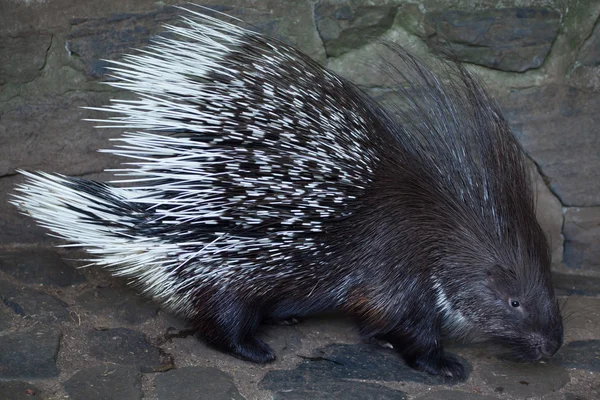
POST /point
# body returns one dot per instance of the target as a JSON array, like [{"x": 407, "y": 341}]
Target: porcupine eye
[{"x": 515, "y": 303}]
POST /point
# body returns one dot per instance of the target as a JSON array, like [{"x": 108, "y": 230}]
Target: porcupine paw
[
  {"x": 446, "y": 365},
  {"x": 252, "y": 349}
]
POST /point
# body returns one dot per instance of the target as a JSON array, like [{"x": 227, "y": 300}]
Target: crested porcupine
[{"x": 262, "y": 186}]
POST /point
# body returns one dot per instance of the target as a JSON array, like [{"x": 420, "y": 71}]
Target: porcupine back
[
  {"x": 259, "y": 180},
  {"x": 240, "y": 148}
]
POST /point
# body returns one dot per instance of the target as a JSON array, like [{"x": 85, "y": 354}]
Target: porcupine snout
[
  {"x": 545, "y": 344},
  {"x": 552, "y": 343}
]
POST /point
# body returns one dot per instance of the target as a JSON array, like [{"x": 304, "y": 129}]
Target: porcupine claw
[
  {"x": 446, "y": 365},
  {"x": 255, "y": 350}
]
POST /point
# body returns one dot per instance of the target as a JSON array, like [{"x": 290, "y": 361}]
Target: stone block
[
  {"x": 126, "y": 347},
  {"x": 549, "y": 213},
  {"x": 344, "y": 27},
  {"x": 582, "y": 239},
  {"x": 23, "y": 57},
  {"x": 202, "y": 383},
  {"x": 558, "y": 127},
  {"x": 33, "y": 304},
  {"x": 29, "y": 355},
  {"x": 105, "y": 382},
  {"x": 508, "y": 39}
]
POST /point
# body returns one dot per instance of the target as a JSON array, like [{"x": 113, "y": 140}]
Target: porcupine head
[{"x": 259, "y": 185}]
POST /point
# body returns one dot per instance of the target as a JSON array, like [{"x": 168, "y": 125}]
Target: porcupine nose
[
  {"x": 552, "y": 344},
  {"x": 549, "y": 348}
]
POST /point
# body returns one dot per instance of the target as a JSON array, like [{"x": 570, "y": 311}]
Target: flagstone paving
[{"x": 68, "y": 333}]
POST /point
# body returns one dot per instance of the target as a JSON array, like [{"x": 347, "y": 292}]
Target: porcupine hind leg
[{"x": 231, "y": 327}]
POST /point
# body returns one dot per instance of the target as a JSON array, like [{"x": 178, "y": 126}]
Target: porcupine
[{"x": 264, "y": 186}]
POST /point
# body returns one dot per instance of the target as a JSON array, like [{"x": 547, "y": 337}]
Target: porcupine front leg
[
  {"x": 423, "y": 350},
  {"x": 231, "y": 327},
  {"x": 417, "y": 339}
]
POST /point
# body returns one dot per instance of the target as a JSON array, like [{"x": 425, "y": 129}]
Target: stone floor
[{"x": 69, "y": 333}]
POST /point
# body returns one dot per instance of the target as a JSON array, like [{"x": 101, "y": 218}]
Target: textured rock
[
  {"x": 345, "y": 390},
  {"x": 126, "y": 347},
  {"x": 23, "y": 57},
  {"x": 284, "y": 339},
  {"x": 589, "y": 54},
  {"x": 105, "y": 382},
  {"x": 98, "y": 39},
  {"x": 568, "y": 285},
  {"x": 33, "y": 304},
  {"x": 29, "y": 355},
  {"x": 121, "y": 304},
  {"x": 582, "y": 239},
  {"x": 17, "y": 390},
  {"x": 524, "y": 380},
  {"x": 5, "y": 319},
  {"x": 572, "y": 396},
  {"x": 411, "y": 17},
  {"x": 344, "y": 27},
  {"x": 335, "y": 363},
  {"x": 549, "y": 213},
  {"x": 369, "y": 66},
  {"x": 586, "y": 72},
  {"x": 554, "y": 123},
  {"x": 454, "y": 395},
  {"x": 14, "y": 227},
  {"x": 580, "y": 354},
  {"x": 508, "y": 39},
  {"x": 36, "y": 131},
  {"x": 290, "y": 21},
  {"x": 201, "y": 383},
  {"x": 94, "y": 40},
  {"x": 39, "y": 266}
]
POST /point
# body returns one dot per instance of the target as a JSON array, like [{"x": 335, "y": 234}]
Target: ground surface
[{"x": 68, "y": 333}]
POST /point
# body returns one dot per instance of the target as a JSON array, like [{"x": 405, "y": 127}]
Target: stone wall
[{"x": 540, "y": 58}]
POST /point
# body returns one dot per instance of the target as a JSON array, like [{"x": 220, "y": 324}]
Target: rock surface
[
  {"x": 525, "y": 380},
  {"x": 581, "y": 354},
  {"x": 105, "y": 382},
  {"x": 23, "y": 57},
  {"x": 95, "y": 40},
  {"x": 124, "y": 305},
  {"x": 33, "y": 304},
  {"x": 216, "y": 385},
  {"x": 345, "y": 27},
  {"x": 5, "y": 319},
  {"x": 550, "y": 216},
  {"x": 589, "y": 54},
  {"x": 29, "y": 355},
  {"x": 508, "y": 39},
  {"x": 126, "y": 347},
  {"x": 345, "y": 390},
  {"x": 570, "y": 284},
  {"x": 39, "y": 266},
  {"x": 449, "y": 395},
  {"x": 552, "y": 122},
  {"x": 582, "y": 235},
  {"x": 348, "y": 362},
  {"x": 18, "y": 390}
]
